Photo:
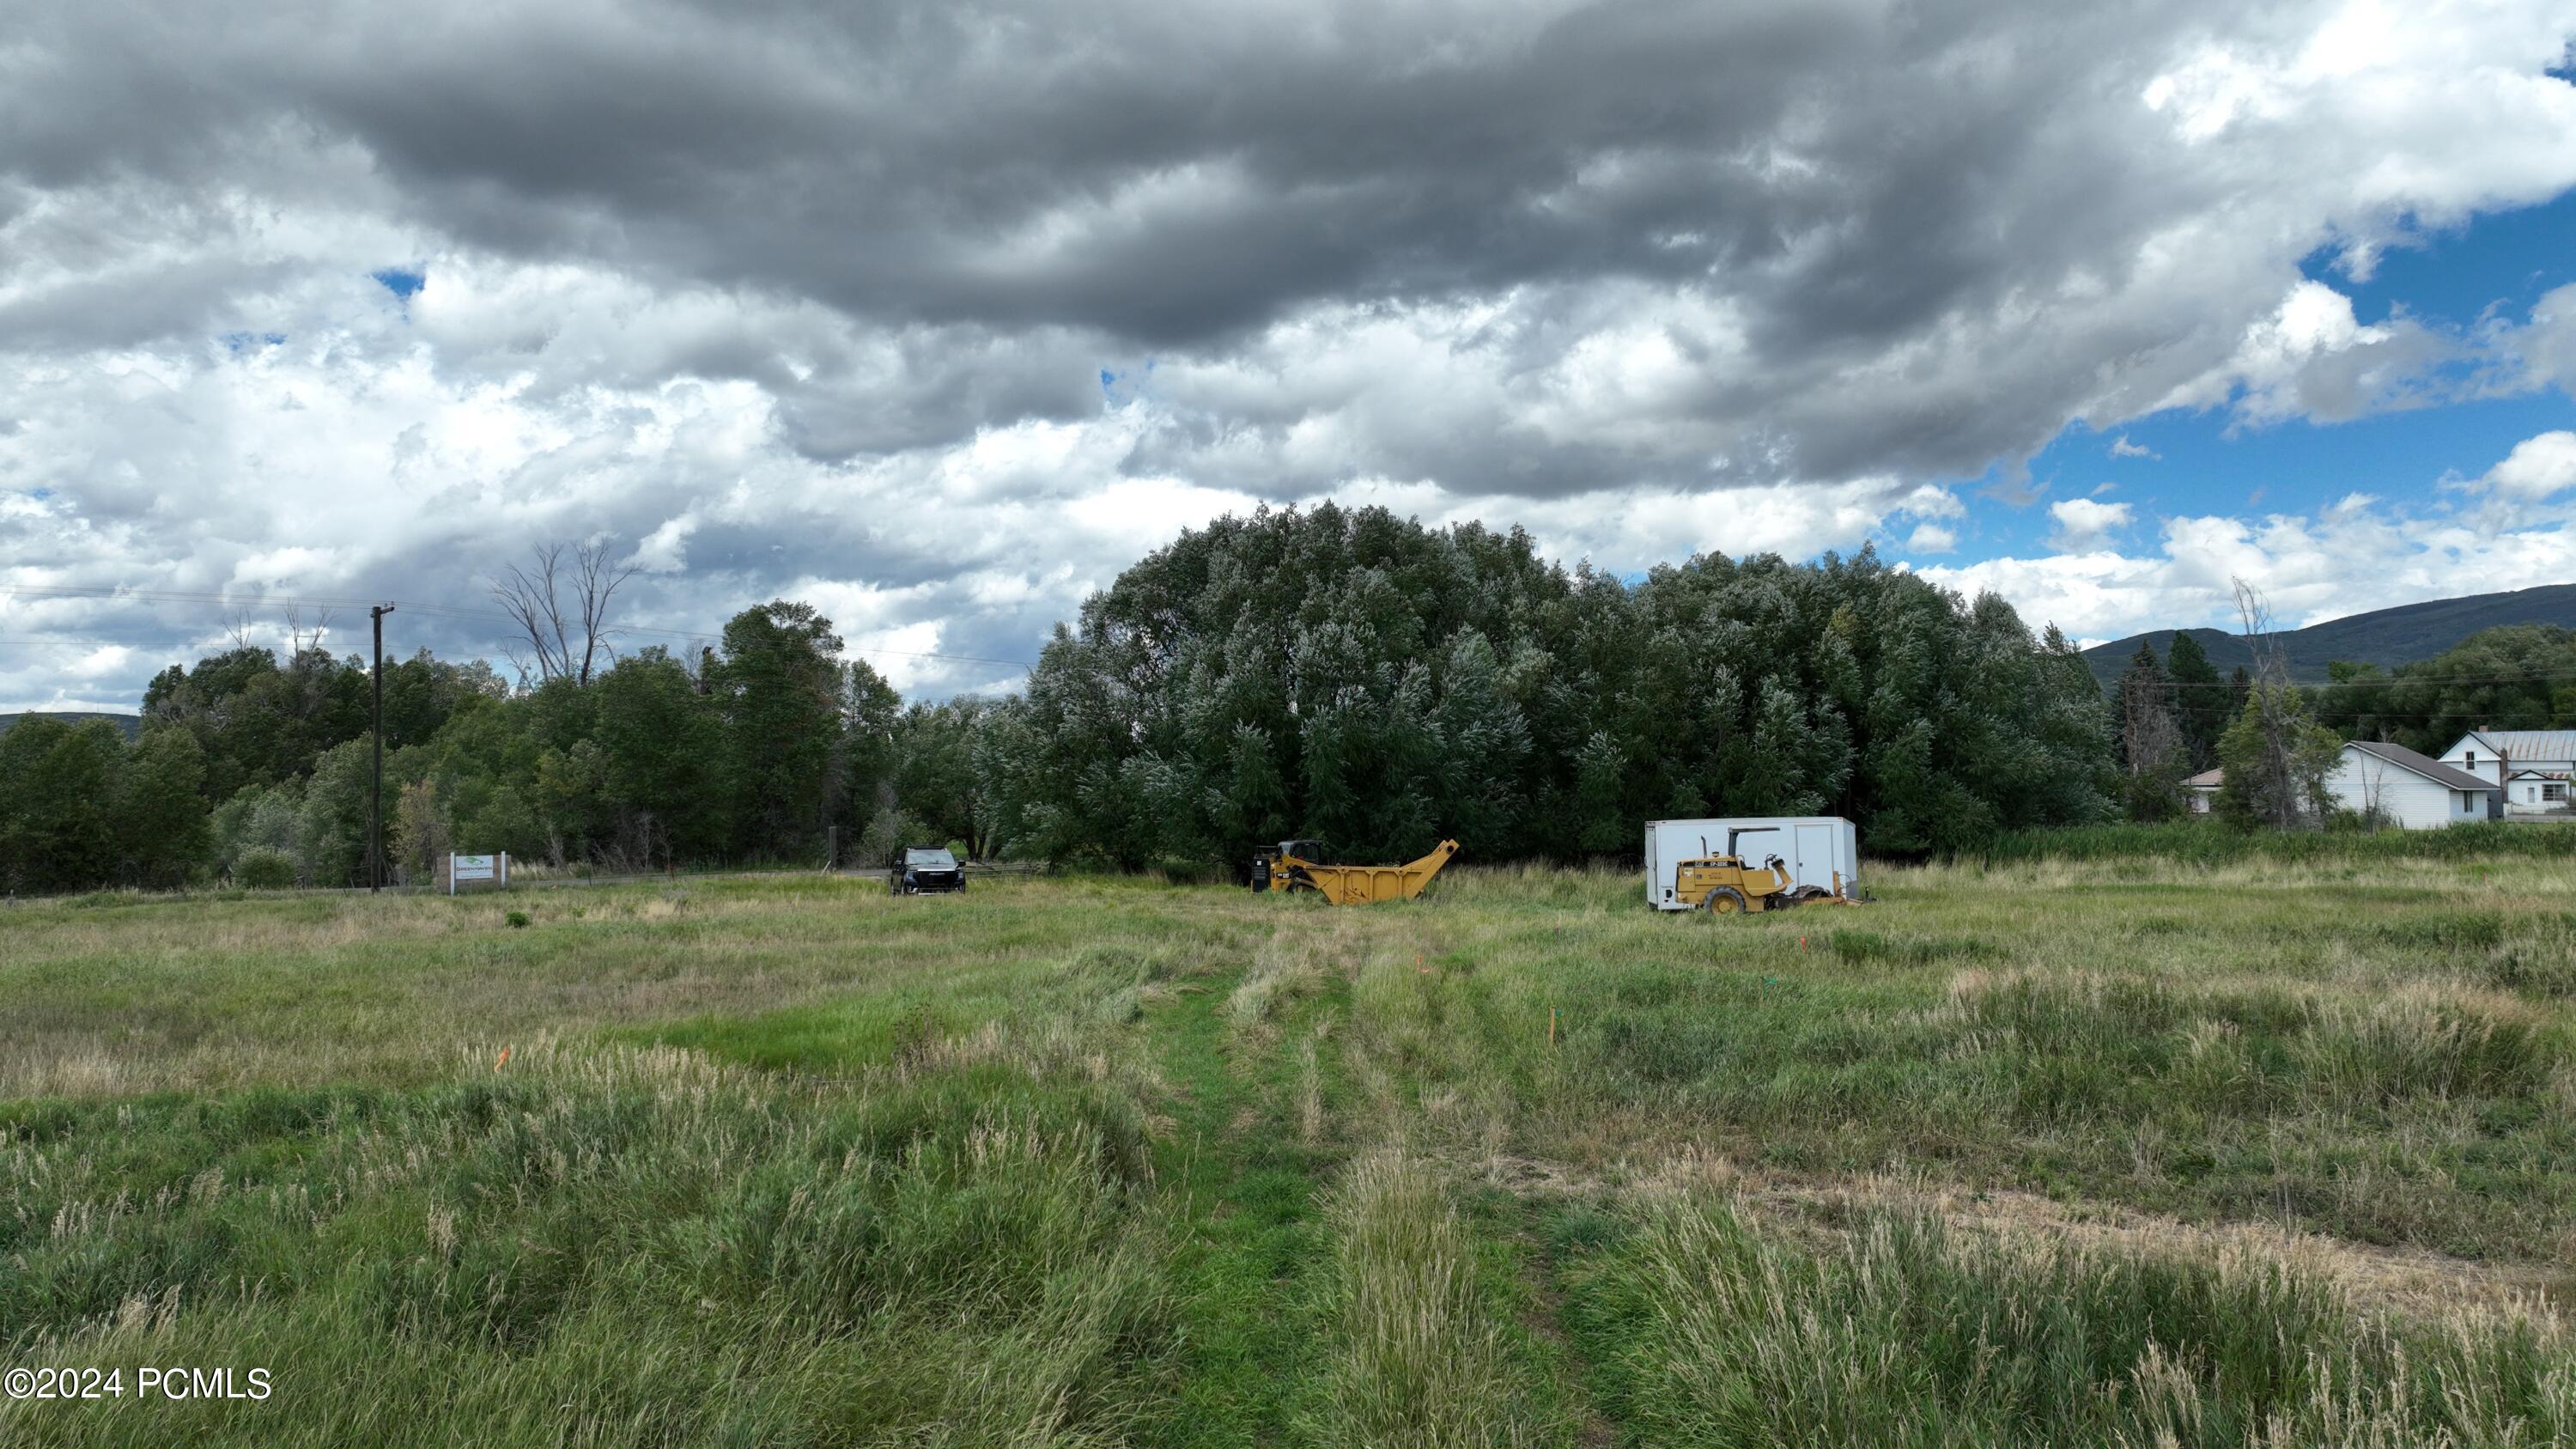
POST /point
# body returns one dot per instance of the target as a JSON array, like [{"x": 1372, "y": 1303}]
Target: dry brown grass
[{"x": 2435, "y": 1288}]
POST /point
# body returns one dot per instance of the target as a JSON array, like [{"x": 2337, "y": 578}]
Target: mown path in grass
[
  {"x": 1262, "y": 1147},
  {"x": 1245, "y": 1198}
]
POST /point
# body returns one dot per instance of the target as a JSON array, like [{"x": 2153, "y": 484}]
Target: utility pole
[{"x": 376, "y": 796}]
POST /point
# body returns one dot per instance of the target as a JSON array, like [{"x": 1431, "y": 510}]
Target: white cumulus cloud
[
  {"x": 2537, "y": 467},
  {"x": 2085, "y": 524}
]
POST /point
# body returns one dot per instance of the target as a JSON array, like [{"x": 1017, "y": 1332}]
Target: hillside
[
  {"x": 132, "y": 724},
  {"x": 2385, "y": 637}
]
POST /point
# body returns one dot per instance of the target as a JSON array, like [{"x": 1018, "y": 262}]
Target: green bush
[{"x": 264, "y": 868}]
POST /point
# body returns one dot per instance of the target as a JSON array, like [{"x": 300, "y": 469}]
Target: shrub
[{"x": 264, "y": 868}]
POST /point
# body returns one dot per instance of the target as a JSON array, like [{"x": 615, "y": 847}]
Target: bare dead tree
[
  {"x": 297, "y": 639},
  {"x": 561, "y": 609},
  {"x": 531, "y": 602},
  {"x": 2149, "y": 732},
  {"x": 2374, "y": 778},
  {"x": 237, "y": 628}
]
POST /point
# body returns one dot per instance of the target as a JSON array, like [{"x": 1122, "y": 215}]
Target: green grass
[{"x": 2035, "y": 1152}]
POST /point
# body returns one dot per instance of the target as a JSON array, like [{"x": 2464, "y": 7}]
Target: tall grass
[
  {"x": 1715, "y": 1331},
  {"x": 662, "y": 1251},
  {"x": 2373, "y": 1082},
  {"x": 1421, "y": 1358},
  {"x": 2211, "y": 842}
]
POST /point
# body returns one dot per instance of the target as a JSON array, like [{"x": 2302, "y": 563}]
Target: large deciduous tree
[
  {"x": 161, "y": 820},
  {"x": 58, "y": 791},
  {"x": 2276, "y": 757},
  {"x": 781, "y": 691},
  {"x": 663, "y": 749}
]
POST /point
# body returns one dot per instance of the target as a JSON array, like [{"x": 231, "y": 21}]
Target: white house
[
  {"x": 2405, "y": 788},
  {"x": 2530, "y": 767}
]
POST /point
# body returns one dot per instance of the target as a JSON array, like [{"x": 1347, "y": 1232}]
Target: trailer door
[{"x": 1817, "y": 853}]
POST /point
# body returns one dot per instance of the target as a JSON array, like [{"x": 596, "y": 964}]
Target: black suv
[{"x": 919, "y": 868}]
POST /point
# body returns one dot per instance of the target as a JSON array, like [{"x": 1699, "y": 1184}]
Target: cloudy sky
[{"x": 939, "y": 314}]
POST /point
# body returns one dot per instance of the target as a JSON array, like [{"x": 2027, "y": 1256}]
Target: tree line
[
  {"x": 259, "y": 769},
  {"x": 1333, "y": 673}
]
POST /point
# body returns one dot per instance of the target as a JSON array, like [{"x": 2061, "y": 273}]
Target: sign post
[{"x": 494, "y": 868}]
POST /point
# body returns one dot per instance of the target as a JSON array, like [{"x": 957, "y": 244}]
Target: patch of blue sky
[
  {"x": 2199, "y": 462},
  {"x": 2502, "y": 262},
  {"x": 1120, "y": 388},
  {"x": 401, "y": 281},
  {"x": 238, "y": 343}
]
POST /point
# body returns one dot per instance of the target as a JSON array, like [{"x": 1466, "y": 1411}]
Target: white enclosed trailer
[{"x": 1818, "y": 850}]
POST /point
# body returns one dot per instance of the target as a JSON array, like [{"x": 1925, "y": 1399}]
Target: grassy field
[{"x": 2040, "y": 1153}]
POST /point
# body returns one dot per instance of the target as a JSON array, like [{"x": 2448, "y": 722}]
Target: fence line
[{"x": 976, "y": 869}]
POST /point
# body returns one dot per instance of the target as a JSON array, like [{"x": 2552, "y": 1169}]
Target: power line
[
  {"x": 2390, "y": 679},
  {"x": 443, "y": 611},
  {"x": 446, "y": 611}
]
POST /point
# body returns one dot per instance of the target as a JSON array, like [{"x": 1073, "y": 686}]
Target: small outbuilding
[
  {"x": 2202, "y": 790},
  {"x": 2408, "y": 789}
]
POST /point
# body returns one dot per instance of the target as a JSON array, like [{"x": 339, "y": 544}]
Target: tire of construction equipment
[{"x": 1723, "y": 901}]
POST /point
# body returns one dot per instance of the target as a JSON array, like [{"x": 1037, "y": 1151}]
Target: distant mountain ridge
[
  {"x": 2385, "y": 637},
  {"x": 132, "y": 724}
]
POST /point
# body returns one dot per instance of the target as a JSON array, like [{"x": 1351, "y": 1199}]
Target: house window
[{"x": 2555, "y": 792}]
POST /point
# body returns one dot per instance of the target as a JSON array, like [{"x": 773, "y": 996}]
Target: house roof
[
  {"x": 2206, "y": 780},
  {"x": 2539, "y": 775},
  {"x": 2430, "y": 769},
  {"x": 2522, "y": 744}
]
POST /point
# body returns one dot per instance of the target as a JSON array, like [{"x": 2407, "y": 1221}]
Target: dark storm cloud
[
  {"x": 1847, "y": 178},
  {"x": 1164, "y": 176},
  {"x": 1201, "y": 171}
]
